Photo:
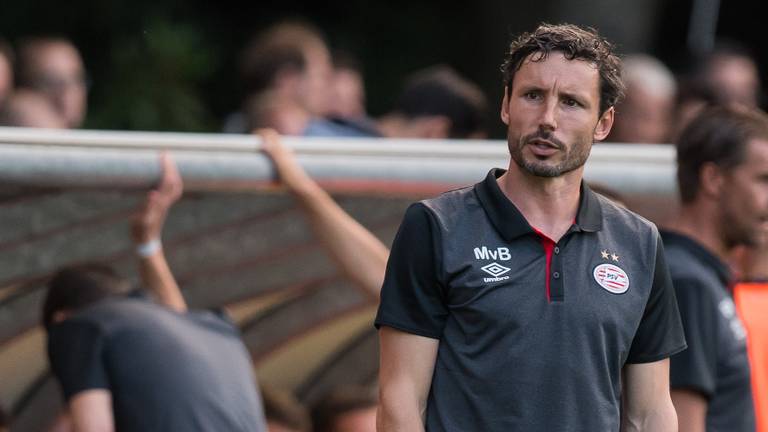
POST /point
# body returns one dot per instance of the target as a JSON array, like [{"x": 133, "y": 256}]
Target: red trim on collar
[{"x": 549, "y": 246}]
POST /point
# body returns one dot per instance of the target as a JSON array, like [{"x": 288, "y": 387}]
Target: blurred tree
[{"x": 153, "y": 82}]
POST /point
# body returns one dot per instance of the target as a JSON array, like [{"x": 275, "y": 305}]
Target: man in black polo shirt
[
  {"x": 519, "y": 303},
  {"x": 722, "y": 161},
  {"x": 130, "y": 364}
]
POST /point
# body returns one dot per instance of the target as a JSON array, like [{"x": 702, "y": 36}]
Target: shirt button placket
[{"x": 557, "y": 287}]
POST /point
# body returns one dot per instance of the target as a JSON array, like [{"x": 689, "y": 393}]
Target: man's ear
[
  {"x": 505, "y": 107},
  {"x": 711, "y": 179},
  {"x": 604, "y": 125}
]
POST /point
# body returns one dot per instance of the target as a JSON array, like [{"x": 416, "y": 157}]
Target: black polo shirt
[
  {"x": 716, "y": 362},
  {"x": 533, "y": 334}
]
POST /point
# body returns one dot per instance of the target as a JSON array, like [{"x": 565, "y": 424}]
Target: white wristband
[{"x": 146, "y": 250}]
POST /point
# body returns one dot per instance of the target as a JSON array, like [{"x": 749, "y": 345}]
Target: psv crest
[{"x": 612, "y": 278}]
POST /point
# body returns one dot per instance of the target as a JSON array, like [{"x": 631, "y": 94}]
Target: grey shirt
[
  {"x": 533, "y": 333},
  {"x": 166, "y": 371},
  {"x": 715, "y": 364}
]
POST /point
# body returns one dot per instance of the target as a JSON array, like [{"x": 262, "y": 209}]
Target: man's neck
[
  {"x": 549, "y": 204},
  {"x": 698, "y": 222}
]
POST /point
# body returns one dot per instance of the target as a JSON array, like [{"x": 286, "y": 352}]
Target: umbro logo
[{"x": 495, "y": 269}]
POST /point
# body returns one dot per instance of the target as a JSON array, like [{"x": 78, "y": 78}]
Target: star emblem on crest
[
  {"x": 604, "y": 253},
  {"x": 615, "y": 257}
]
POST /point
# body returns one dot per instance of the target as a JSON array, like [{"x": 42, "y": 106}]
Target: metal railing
[{"x": 115, "y": 160}]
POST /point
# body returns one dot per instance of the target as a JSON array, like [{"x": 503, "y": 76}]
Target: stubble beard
[
  {"x": 574, "y": 157},
  {"x": 736, "y": 232}
]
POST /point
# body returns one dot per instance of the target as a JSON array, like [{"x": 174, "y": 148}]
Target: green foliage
[{"x": 153, "y": 81}]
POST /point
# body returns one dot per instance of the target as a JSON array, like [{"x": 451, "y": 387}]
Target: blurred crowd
[
  {"x": 294, "y": 83},
  {"x": 297, "y": 85}
]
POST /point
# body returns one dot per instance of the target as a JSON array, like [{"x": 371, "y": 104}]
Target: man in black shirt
[
  {"x": 723, "y": 180},
  {"x": 129, "y": 364},
  {"x": 518, "y": 304}
]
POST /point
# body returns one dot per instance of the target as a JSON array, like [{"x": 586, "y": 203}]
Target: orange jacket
[{"x": 752, "y": 303}]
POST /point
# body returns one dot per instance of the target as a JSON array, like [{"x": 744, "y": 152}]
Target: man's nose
[{"x": 548, "y": 120}]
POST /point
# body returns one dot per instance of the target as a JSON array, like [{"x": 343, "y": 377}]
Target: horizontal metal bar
[
  {"x": 104, "y": 159},
  {"x": 305, "y": 145}
]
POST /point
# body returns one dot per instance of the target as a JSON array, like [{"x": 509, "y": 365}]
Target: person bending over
[{"x": 127, "y": 363}]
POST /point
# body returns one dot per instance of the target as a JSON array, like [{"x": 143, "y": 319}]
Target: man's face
[
  {"x": 58, "y": 73},
  {"x": 736, "y": 79},
  {"x": 347, "y": 94},
  {"x": 552, "y": 115},
  {"x": 316, "y": 80},
  {"x": 744, "y": 197}
]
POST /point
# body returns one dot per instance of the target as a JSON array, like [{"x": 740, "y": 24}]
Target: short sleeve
[
  {"x": 696, "y": 368},
  {"x": 660, "y": 333},
  {"x": 412, "y": 297},
  {"x": 75, "y": 353}
]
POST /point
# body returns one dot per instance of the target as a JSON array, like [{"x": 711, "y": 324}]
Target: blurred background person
[
  {"x": 6, "y": 69},
  {"x": 693, "y": 97},
  {"x": 130, "y": 364},
  {"x": 292, "y": 61},
  {"x": 271, "y": 109},
  {"x": 53, "y": 67},
  {"x": 28, "y": 108},
  {"x": 645, "y": 114},
  {"x": 346, "y": 409},
  {"x": 722, "y": 161},
  {"x": 756, "y": 264},
  {"x": 436, "y": 103},
  {"x": 346, "y": 116},
  {"x": 727, "y": 75},
  {"x": 751, "y": 262},
  {"x": 347, "y": 92},
  {"x": 731, "y": 70}
]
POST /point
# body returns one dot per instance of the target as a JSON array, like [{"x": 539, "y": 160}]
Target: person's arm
[
  {"x": 647, "y": 402},
  {"x": 691, "y": 409},
  {"x": 411, "y": 318},
  {"x": 91, "y": 411},
  {"x": 147, "y": 228},
  {"x": 359, "y": 254},
  {"x": 693, "y": 375},
  {"x": 76, "y": 354},
  {"x": 405, "y": 376}
]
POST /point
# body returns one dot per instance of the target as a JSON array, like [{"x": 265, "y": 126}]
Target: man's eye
[
  {"x": 532, "y": 95},
  {"x": 571, "y": 102}
]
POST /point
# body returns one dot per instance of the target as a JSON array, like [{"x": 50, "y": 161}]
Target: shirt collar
[
  {"x": 699, "y": 252},
  {"x": 510, "y": 223}
]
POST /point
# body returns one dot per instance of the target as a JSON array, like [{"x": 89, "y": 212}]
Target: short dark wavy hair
[
  {"x": 78, "y": 286},
  {"x": 576, "y": 43},
  {"x": 719, "y": 135}
]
